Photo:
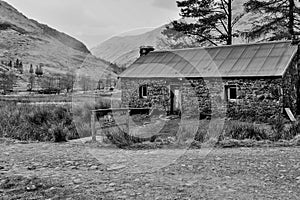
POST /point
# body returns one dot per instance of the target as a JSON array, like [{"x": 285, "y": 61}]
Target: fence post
[
  {"x": 93, "y": 126},
  {"x": 128, "y": 121}
]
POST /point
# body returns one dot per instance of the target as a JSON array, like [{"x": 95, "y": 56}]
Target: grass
[
  {"x": 63, "y": 122},
  {"x": 37, "y": 123}
]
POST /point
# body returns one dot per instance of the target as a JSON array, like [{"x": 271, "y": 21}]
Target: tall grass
[{"x": 38, "y": 123}]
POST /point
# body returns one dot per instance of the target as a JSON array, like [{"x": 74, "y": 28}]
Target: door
[{"x": 175, "y": 100}]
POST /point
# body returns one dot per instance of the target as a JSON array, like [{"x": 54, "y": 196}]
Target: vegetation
[
  {"x": 41, "y": 123},
  {"x": 276, "y": 130},
  {"x": 280, "y": 19},
  {"x": 7, "y": 81},
  {"x": 211, "y": 21}
]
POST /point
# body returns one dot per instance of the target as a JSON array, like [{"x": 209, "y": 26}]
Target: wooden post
[
  {"x": 93, "y": 126},
  {"x": 127, "y": 121}
]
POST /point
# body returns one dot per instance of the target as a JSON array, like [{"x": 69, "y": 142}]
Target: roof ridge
[{"x": 224, "y": 46}]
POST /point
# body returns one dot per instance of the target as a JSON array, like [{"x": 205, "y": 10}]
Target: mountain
[
  {"x": 123, "y": 50},
  {"x": 38, "y": 44}
]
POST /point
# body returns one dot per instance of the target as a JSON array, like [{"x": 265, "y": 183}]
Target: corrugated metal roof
[{"x": 246, "y": 60}]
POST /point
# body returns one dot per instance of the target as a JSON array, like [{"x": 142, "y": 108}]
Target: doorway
[{"x": 175, "y": 100}]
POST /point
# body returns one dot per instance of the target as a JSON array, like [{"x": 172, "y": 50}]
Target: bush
[
  {"x": 241, "y": 131},
  {"x": 219, "y": 130},
  {"x": 26, "y": 122},
  {"x": 59, "y": 133},
  {"x": 118, "y": 136}
]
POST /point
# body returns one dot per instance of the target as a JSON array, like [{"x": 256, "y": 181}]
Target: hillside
[
  {"x": 123, "y": 50},
  {"x": 35, "y": 43}
]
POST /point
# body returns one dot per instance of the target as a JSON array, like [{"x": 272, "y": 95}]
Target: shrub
[
  {"x": 118, "y": 136},
  {"x": 26, "y": 122},
  {"x": 293, "y": 131},
  {"x": 241, "y": 131},
  {"x": 58, "y": 132}
]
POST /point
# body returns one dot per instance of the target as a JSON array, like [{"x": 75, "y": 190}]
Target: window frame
[
  {"x": 143, "y": 92},
  {"x": 228, "y": 94}
]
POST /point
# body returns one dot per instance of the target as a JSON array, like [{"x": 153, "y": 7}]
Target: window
[
  {"x": 143, "y": 91},
  {"x": 231, "y": 92}
]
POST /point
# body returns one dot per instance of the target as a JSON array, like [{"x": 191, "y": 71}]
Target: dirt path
[{"x": 77, "y": 171}]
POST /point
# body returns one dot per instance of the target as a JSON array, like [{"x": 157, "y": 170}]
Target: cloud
[{"x": 165, "y": 4}]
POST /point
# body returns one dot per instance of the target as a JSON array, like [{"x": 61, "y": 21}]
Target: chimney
[{"x": 144, "y": 50}]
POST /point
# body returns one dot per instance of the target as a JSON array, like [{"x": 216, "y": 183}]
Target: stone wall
[
  {"x": 158, "y": 93},
  {"x": 290, "y": 86},
  {"x": 257, "y": 99}
]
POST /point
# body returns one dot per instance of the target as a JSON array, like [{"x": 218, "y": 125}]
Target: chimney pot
[{"x": 144, "y": 50}]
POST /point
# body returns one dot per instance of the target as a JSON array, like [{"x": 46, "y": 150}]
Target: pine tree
[
  {"x": 21, "y": 67},
  {"x": 212, "y": 20},
  {"x": 37, "y": 69},
  {"x": 280, "y": 19},
  {"x": 17, "y": 64},
  {"x": 31, "y": 69},
  {"x": 41, "y": 71},
  {"x": 10, "y": 64}
]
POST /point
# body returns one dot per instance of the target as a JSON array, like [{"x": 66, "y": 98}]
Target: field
[
  {"x": 185, "y": 161},
  {"x": 75, "y": 170}
]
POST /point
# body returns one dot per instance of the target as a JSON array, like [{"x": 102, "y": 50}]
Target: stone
[
  {"x": 94, "y": 167},
  {"x": 33, "y": 167},
  {"x": 73, "y": 167},
  {"x": 115, "y": 167},
  {"x": 69, "y": 162},
  {"x": 31, "y": 188},
  {"x": 77, "y": 181},
  {"x": 111, "y": 184}
]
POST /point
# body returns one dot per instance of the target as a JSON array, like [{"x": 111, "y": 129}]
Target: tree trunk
[
  {"x": 291, "y": 19},
  {"x": 229, "y": 25}
]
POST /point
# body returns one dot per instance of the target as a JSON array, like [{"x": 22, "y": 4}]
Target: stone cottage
[{"x": 240, "y": 81}]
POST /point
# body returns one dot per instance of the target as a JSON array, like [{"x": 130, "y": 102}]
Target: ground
[{"x": 75, "y": 170}]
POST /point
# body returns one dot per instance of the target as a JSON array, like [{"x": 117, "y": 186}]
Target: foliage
[
  {"x": 39, "y": 70},
  {"x": 59, "y": 133},
  {"x": 282, "y": 130},
  {"x": 241, "y": 131},
  {"x": 7, "y": 81},
  {"x": 278, "y": 19},
  {"x": 230, "y": 129},
  {"x": 209, "y": 20},
  {"x": 42, "y": 123},
  {"x": 82, "y": 115},
  {"x": 31, "y": 69}
]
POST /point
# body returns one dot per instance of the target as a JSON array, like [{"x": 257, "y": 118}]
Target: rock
[
  {"x": 31, "y": 188},
  {"x": 51, "y": 189},
  {"x": 73, "y": 167},
  {"x": 122, "y": 197},
  {"x": 94, "y": 167},
  {"x": 31, "y": 167},
  {"x": 69, "y": 162},
  {"x": 77, "y": 181},
  {"x": 112, "y": 185},
  {"x": 89, "y": 165},
  {"x": 45, "y": 165},
  {"x": 190, "y": 183},
  {"x": 115, "y": 167},
  {"x": 1, "y": 167}
]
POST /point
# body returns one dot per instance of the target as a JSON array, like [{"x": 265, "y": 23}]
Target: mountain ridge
[
  {"x": 125, "y": 50},
  {"x": 38, "y": 44}
]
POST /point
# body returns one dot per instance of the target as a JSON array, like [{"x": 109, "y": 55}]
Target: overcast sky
[{"x": 93, "y": 21}]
